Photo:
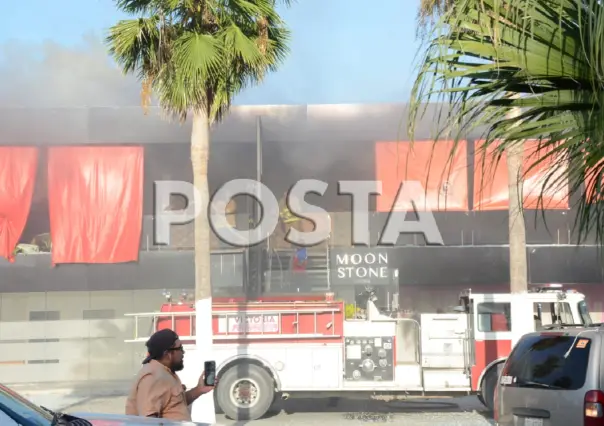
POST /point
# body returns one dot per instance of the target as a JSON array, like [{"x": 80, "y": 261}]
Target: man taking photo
[{"x": 157, "y": 390}]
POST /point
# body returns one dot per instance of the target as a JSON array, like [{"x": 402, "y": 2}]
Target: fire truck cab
[
  {"x": 274, "y": 347},
  {"x": 495, "y": 322}
]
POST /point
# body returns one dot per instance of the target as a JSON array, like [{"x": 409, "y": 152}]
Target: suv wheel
[{"x": 487, "y": 392}]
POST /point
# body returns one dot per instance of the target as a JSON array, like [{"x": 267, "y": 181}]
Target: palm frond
[
  {"x": 198, "y": 54},
  {"x": 486, "y": 57},
  {"x": 428, "y": 13},
  {"x": 134, "y": 44},
  {"x": 135, "y": 6}
]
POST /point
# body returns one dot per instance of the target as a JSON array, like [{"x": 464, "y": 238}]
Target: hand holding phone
[{"x": 209, "y": 373}]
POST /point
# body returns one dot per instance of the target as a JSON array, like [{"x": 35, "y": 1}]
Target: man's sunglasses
[{"x": 178, "y": 348}]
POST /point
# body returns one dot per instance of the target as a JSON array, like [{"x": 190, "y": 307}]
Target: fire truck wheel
[
  {"x": 488, "y": 386},
  {"x": 245, "y": 398},
  {"x": 217, "y": 405}
]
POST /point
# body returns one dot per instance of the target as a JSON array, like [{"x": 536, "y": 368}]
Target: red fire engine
[{"x": 275, "y": 346}]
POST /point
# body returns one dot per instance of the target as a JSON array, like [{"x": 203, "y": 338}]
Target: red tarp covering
[
  {"x": 95, "y": 199},
  {"x": 594, "y": 194},
  {"x": 444, "y": 179},
  {"x": 491, "y": 190},
  {"x": 18, "y": 167}
]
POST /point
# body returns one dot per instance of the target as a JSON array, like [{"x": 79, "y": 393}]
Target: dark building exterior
[
  {"x": 327, "y": 142},
  {"x": 73, "y": 316}
]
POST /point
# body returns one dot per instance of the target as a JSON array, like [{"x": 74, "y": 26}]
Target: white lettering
[
  {"x": 357, "y": 259},
  {"x": 364, "y": 266},
  {"x": 362, "y": 272},
  {"x": 360, "y": 192},
  {"x": 299, "y": 207},
  {"x": 267, "y": 224},
  {"x": 251, "y": 324},
  {"x": 370, "y": 258},
  {"x": 409, "y": 193},
  {"x": 164, "y": 216}
]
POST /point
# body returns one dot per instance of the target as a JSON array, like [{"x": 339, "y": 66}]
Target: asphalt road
[{"x": 465, "y": 411}]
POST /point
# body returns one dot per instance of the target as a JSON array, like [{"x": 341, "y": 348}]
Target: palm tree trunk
[
  {"x": 517, "y": 231},
  {"x": 203, "y": 409}
]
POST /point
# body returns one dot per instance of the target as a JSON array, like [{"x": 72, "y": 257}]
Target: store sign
[
  {"x": 360, "y": 266},
  {"x": 247, "y": 324}
]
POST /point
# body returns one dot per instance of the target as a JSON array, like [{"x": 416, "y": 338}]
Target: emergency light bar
[
  {"x": 550, "y": 286},
  {"x": 542, "y": 288}
]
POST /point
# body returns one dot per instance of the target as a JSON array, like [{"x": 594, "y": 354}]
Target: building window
[
  {"x": 96, "y": 314},
  {"x": 44, "y": 315},
  {"x": 494, "y": 317}
]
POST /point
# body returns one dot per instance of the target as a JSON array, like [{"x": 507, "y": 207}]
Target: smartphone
[{"x": 209, "y": 371}]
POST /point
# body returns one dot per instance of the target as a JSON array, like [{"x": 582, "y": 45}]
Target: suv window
[
  {"x": 539, "y": 361},
  {"x": 493, "y": 317}
]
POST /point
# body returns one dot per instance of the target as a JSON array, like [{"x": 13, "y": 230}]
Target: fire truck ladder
[
  {"x": 155, "y": 317},
  {"x": 225, "y": 316}
]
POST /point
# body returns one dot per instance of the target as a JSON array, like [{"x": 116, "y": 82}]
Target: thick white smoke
[{"x": 53, "y": 75}]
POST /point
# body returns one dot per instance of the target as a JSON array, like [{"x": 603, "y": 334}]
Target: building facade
[{"x": 326, "y": 142}]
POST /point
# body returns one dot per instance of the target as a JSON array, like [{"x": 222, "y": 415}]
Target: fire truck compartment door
[
  {"x": 298, "y": 371},
  {"x": 443, "y": 340},
  {"x": 327, "y": 367}
]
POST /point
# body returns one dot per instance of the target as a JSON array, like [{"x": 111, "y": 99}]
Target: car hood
[{"x": 100, "y": 419}]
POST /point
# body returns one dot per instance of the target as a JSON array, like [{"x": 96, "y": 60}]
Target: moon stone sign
[{"x": 362, "y": 265}]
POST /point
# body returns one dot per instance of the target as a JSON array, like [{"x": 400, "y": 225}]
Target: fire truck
[{"x": 275, "y": 347}]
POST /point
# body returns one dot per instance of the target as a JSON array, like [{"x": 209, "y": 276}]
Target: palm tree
[
  {"x": 523, "y": 69},
  {"x": 194, "y": 56},
  {"x": 428, "y": 11}
]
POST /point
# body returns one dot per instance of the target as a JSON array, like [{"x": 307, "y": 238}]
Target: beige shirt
[{"x": 158, "y": 390}]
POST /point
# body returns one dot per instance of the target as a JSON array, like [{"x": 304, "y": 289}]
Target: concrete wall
[{"x": 73, "y": 336}]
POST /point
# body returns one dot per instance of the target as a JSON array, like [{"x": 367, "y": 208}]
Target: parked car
[
  {"x": 553, "y": 378},
  {"x": 15, "y": 410}
]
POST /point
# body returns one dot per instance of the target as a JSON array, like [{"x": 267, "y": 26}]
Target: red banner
[
  {"x": 491, "y": 190},
  {"x": 95, "y": 201},
  {"x": 444, "y": 179},
  {"x": 547, "y": 180},
  {"x": 18, "y": 167},
  {"x": 594, "y": 176}
]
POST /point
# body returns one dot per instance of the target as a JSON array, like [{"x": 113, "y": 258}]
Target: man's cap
[{"x": 159, "y": 343}]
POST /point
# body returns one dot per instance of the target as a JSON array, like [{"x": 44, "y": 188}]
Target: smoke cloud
[{"x": 53, "y": 75}]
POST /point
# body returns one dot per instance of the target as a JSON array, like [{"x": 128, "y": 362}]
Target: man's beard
[{"x": 178, "y": 366}]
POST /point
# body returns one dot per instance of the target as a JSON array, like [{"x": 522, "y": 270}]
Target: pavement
[{"x": 352, "y": 410}]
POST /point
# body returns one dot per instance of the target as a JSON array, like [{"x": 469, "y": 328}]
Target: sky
[{"x": 342, "y": 51}]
